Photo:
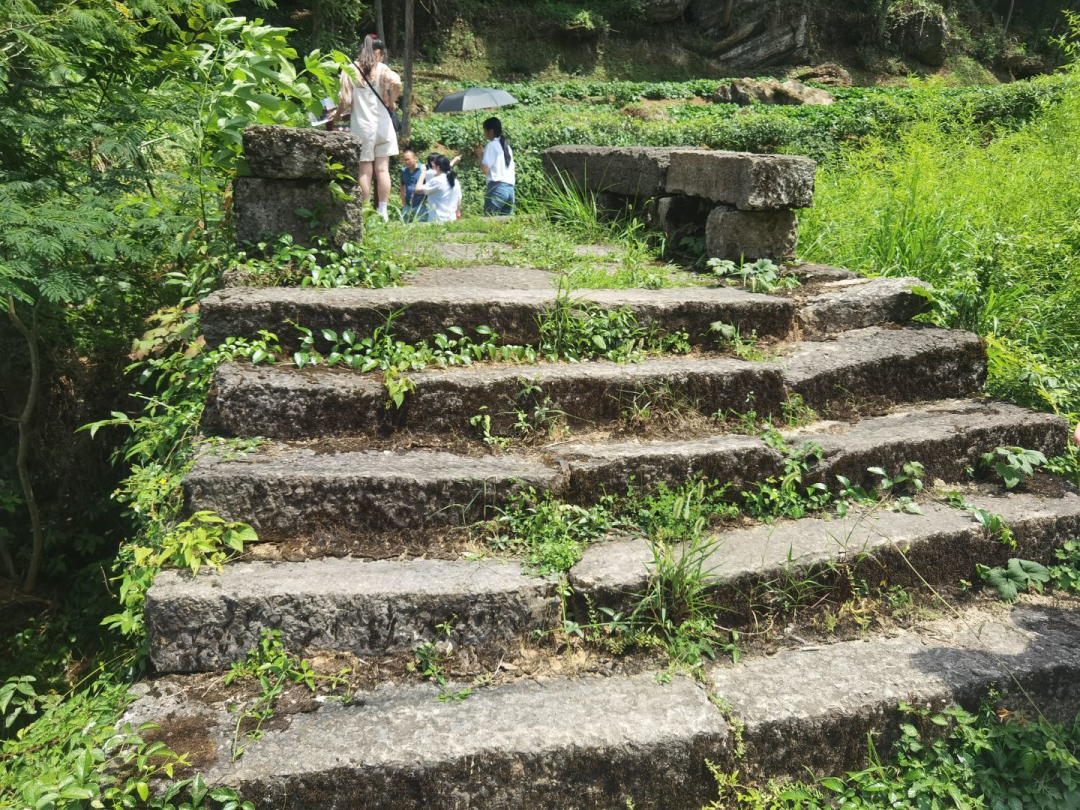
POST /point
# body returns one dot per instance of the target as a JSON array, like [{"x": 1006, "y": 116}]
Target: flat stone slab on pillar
[
  {"x": 748, "y": 181},
  {"x": 639, "y": 171}
]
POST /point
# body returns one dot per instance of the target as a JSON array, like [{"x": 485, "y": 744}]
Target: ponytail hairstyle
[
  {"x": 443, "y": 162},
  {"x": 367, "y": 60},
  {"x": 494, "y": 125}
]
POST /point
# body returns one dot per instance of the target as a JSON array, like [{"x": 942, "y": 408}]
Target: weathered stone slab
[
  {"x": 494, "y": 277},
  {"x": 809, "y": 273},
  {"x": 596, "y": 470},
  {"x": 283, "y": 403},
  {"x": 631, "y": 170},
  {"x": 943, "y": 544},
  {"x": 814, "y": 707},
  {"x": 859, "y": 303},
  {"x": 901, "y": 365},
  {"x": 748, "y": 181},
  {"x": 946, "y": 437},
  {"x": 286, "y": 492},
  {"x": 287, "y": 153},
  {"x": 512, "y": 314},
  {"x": 366, "y": 608},
  {"x": 589, "y": 743},
  {"x": 266, "y": 209},
  {"x": 750, "y": 235}
]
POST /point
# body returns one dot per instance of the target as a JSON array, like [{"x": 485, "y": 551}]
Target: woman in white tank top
[{"x": 370, "y": 89}]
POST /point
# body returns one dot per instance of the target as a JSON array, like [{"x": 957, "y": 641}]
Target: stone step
[
  {"x": 867, "y": 365},
  {"x": 365, "y": 608},
  {"x": 913, "y": 364},
  {"x": 288, "y": 491},
  {"x": 599, "y": 742},
  {"x": 283, "y": 402},
  {"x": 941, "y": 546},
  {"x": 813, "y": 708},
  {"x": 369, "y": 608},
  {"x": 513, "y": 314},
  {"x": 582, "y": 743}
]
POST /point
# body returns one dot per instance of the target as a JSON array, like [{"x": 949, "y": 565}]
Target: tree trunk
[
  {"x": 380, "y": 29},
  {"x": 1008, "y": 19},
  {"x": 30, "y": 334},
  {"x": 724, "y": 23},
  {"x": 406, "y": 116},
  {"x": 882, "y": 21}
]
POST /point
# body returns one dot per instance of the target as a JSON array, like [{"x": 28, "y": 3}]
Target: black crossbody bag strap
[{"x": 395, "y": 117}]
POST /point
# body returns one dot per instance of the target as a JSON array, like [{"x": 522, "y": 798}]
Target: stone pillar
[{"x": 290, "y": 188}]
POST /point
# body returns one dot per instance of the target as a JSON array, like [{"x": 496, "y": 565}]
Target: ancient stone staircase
[{"x": 343, "y": 474}]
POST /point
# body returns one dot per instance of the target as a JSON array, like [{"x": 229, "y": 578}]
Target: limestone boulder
[
  {"x": 828, "y": 73},
  {"x": 287, "y": 153},
  {"x": 745, "y": 92},
  {"x": 921, "y": 34}
]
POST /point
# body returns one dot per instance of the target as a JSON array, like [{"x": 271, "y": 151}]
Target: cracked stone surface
[
  {"x": 901, "y": 365},
  {"x": 512, "y": 314},
  {"x": 265, "y": 209},
  {"x": 366, "y": 608},
  {"x": 860, "y": 303},
  {"x": 750, "y": 182}
]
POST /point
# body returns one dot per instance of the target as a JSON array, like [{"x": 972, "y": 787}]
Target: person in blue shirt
[{"x": 413, "y": 205}]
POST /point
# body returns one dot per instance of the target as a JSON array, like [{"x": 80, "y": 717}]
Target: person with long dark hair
[
  {"x": 497, "y": 162},
  {"x": 370, "y": 90},
  {"x": 440, "y": 187}
]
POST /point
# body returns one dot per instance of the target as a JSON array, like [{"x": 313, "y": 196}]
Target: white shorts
[{"x": 380, "y": 141}]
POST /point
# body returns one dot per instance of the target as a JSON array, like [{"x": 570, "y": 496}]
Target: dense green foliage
[{"x": 121, "y": 128}]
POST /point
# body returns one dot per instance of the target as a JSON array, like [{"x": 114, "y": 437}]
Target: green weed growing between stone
[{"x": 955, "y": 758}]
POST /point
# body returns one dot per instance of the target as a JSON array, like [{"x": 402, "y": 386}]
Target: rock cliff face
[{"x": 760, "y": 32}]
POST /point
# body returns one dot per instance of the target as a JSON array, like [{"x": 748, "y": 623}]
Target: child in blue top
[{"x": 413, "y": 205}]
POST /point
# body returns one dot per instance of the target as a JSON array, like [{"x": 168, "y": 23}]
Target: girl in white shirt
[
  {"x": 370, "y": 90},
  {"x": 497, "y": 161},
  {"x": 441, "y": 188}
]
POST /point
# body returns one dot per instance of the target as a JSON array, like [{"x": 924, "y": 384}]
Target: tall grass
[{"x": 991, "y": 219}]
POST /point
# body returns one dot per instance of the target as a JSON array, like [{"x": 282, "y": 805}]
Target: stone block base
[
  {"x": 750, "y": 235},
  {"x": 265, "y": 209}
]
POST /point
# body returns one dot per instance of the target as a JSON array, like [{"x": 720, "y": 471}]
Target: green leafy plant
[
  {"x": 761, "y": 277},
  {"x": 1065, "y": 575},
  {"x": 273, "y": 667},
  {"x": 1018, "y": 576},
  {"x": 1013, "y": 464}
]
